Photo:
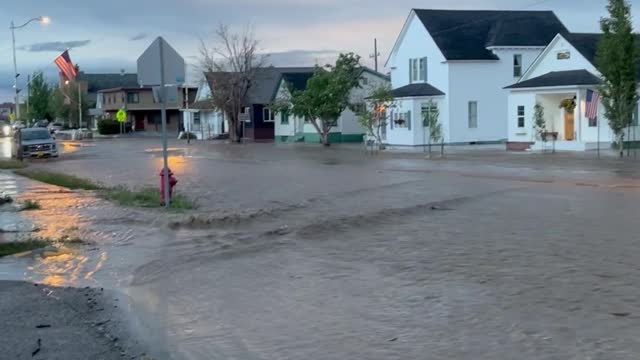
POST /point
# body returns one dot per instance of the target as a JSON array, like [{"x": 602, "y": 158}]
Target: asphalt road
[{"x": 303, "y": 252}]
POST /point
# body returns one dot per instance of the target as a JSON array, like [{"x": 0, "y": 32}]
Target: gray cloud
[
  {"x": 302, "y": 57},
  {"x": 139, "y": 36},
  {"x": 55, "y": 45}
]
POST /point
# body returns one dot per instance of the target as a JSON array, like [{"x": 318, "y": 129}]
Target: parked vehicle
[
  {"x": 55, "y": 127},
  {"x": 18, "y": 125},
  {"x": 33, "y": 142},
  {"x": 5, "y": 128},
  {"x": 41, "y": 124}
]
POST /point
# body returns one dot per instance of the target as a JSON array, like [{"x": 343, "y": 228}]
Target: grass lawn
[
  {"x": 16, "y": 247},
  {"x": 7, "y": 164},
  {"x": 54, "y": 178},
  {"x": 143, "y": 197}
]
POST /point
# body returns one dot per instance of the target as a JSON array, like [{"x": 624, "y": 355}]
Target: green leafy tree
[
  {"x": 539, "y": 124},
  {"x": 616, "y": 58},
  {"x": 326, "y": 95},
  {"x": 39, "y": 93},
  {"x": 431, "y": 122},
  {"x": 63, "y": 104},
  {"x": 374, "y": 116}
]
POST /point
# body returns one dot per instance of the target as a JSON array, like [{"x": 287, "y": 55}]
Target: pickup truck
[{"x": 33, "y": 142}]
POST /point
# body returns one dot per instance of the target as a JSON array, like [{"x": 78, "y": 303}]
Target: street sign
[
  {"x": 160, "y": 65},
  {"x": 121, "y": 115},
  {"x": 149, "y": 65}
]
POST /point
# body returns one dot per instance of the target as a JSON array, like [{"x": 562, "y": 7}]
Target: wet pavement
[{"x": 302, "y": 252}]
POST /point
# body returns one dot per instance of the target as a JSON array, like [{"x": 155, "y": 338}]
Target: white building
[
  {"x": 462, "y": 60},
  {"x": 563, "y": 72},
  {"x": 347, "y": 128},
  {"x": 202, "y": 119}
]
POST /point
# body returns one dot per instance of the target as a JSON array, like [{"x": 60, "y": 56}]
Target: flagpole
[
  {"x": 79, "y": 106},
  {"x": 598, "y": 123}
]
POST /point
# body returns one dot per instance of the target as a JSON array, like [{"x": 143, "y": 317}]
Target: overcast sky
[{"x": 106, "y": 36}]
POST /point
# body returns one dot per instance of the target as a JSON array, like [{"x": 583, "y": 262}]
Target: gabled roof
[
  {"x": 96, "y": 82},
  {"x": 466, "y": 34},
  {"x": 587, "y": 45},
  {"x": 559, "y": 78},
  {"x": 416, "y": 90}
]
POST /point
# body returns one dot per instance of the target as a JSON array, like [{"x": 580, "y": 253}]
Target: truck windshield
[{"x": 36, "y": 134}]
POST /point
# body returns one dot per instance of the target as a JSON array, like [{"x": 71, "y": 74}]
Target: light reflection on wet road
[{"x": 343, "y": 258}]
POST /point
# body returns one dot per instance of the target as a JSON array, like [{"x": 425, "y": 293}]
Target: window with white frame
[
  {"x": 427, "y": 108},
  {"x": 268, "y": 115},
  {"x": 634, "y": 120},
  {"x": 401, "y": 120},
  {"x": 418, "y": 69},
  {"x": 472, "y": 114},
  {"x": 520, "y": 116},
  {"x": 517, "y": 65}
]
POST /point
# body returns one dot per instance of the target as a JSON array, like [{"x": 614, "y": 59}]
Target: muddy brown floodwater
[{"x": 300, "y": 252}]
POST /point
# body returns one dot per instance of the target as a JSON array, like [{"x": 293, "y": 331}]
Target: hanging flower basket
[{"x": 568, "y": 104}]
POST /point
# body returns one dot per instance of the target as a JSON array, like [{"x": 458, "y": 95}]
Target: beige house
[{"x": 143, "y": 111}]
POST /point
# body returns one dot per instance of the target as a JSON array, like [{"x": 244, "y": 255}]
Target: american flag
[
  {"x": 591, "y": 109},
  {"x": 63, "y": 62}
]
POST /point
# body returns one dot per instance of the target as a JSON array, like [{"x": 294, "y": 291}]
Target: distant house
[
  {"x": 143, "y": 111},
  {"x": 563, "y": 74},
  {"x": 202, "y": 119},
  {"x": 347, "y": 127},
  {"x": 460, "y": 61},
  {"x": 6, "y": 109},
  {"x": 91, "y": 84}
]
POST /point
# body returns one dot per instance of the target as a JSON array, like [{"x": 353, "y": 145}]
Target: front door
[{"x": 568, "y": 126}]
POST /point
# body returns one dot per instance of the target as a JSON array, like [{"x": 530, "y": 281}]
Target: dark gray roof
[
  {"x": 587, "y": 45},
  {"x": 418, "y": 89},
  {"x": 559, "y": 78},
  {"x": 466, "y": 34},
  {"x": 97, "y": 82}
]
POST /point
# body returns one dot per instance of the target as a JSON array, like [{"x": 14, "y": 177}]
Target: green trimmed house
[{"x": 347, "y": 129}]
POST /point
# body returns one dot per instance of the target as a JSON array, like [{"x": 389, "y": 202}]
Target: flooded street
[{"x": 302, "y": 252}]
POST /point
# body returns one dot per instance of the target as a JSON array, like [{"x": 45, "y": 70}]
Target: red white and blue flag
[
  {"x": 67, "y": 70},
  {"x": 591, "y": 108}
]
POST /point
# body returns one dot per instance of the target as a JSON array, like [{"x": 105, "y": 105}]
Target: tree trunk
[{"x": 621, "y": 145}]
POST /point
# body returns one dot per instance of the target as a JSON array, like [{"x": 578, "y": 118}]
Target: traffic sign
[
  {"x": 150, "y": 63},
  {"x": 121, "y": 115}
]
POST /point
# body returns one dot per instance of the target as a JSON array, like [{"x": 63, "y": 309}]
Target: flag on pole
[
  {"x": 591, "y": 108},
  {"x": 67, "y": 70}
]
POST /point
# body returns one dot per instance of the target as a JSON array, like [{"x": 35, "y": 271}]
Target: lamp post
[{"x": 44, "y": 20}]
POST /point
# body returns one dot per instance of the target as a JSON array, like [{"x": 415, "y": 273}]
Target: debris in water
[
  {"x": 5, "y": 199},
  {"x": 42, "y": 326},
  {"x": 621, "y": 314},
  {"x": 393, "y": 339},
  {"x": 441, "y": 208},
  {"x": 37, "y": 350}
]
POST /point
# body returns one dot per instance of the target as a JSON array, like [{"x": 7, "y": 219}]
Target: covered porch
[{"x": 562, "y": 98}]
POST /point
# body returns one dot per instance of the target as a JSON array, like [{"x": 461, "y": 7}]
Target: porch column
[{"x": 579, "y": 117}]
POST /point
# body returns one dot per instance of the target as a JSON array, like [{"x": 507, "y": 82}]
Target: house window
[
  {"x": 196, "y": 118},
  {"x": 359, "y": 108},
  {"x": 122, "y": 97},
  {"x": 426, "y": 109},
  {"x": 520, "y": 116},
  {"x": 517, "y": 65},
  {"x": 402, "y": 120},
  {"x": 418, "y": 69},
  {"x": 365, "y": 81},
  {"x": 268, "y": 115},
  {"x": 284, "y": 118},
  {"x": 133, "y": 98},
  {"x": 634, "y": 120},
  {"x": 473, "y": 114}
]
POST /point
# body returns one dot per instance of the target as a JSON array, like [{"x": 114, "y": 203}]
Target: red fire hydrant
[{"x": 172, "y": 182}]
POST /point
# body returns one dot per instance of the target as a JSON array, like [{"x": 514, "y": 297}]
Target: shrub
[
  {"x": 186, "y": 135},
  {"x": 108, "y": 127}
]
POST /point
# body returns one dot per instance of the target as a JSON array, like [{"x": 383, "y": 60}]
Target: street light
[{"x": 44, "y": 20}]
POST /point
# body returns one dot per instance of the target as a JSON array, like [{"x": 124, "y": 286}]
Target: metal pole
[
  {"x": 598, "y": 123},
  {"x": 375, "y": 52},
  {"x": 186, "y": 102},
  {"x": 163, "y": 114},
  {"x": 15, "y": 72},
  {"x": 28, "y": 92},
  {"x": 79, "y": 106}
]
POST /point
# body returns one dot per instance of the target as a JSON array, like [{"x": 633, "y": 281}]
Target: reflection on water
[{"x": 5, "y": 148}]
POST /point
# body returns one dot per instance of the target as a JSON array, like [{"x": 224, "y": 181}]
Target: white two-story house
[{"x": 460, "y": 61}]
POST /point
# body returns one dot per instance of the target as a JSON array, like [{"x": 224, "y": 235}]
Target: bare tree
[{"x": 230, "y": 67}]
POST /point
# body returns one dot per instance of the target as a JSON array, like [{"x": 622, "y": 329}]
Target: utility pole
[
  {"x": 375, "y": 54},
  {"x": 28, "y": 92}
]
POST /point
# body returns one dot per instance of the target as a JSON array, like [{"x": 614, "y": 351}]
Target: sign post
[
  {"x": 121, "y": 116},
  {"x": 160, "y": 65}
]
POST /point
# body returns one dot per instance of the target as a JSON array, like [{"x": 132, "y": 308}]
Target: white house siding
[
  {"x": 484, "y": 82},
  {"x": 549, "y": 62},
  {"x": 403, "y": 136},
  {"x": 416, "y": 42}
]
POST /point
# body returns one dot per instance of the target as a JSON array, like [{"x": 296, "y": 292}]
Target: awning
[
  {"x": 559, "y": 78},
  {"x": 416, "y": 90}
]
